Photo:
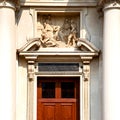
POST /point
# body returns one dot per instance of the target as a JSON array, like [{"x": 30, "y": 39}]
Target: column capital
[
  {"x": 111, "y": 5},
  {"x": 102, "y": 2},
  {"x": 107, "y": 4},
  {"x": 14, "y": 4}
]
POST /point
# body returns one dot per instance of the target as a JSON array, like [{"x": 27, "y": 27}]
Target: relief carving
[
  {"x": 64, "y": 33},
  {"x": 86, "y": 72},
  {"x": 31, "y": 70}
]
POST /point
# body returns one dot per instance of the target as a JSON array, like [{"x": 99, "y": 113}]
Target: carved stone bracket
[
  {"x": 31, "y": 67},
  {"x": 86, "y": 67},
  {"x": 31, "y": 70},
  {"x": 86, "y": 72}
]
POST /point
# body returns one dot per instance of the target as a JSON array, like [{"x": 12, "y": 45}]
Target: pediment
[
  {"x": 33, "y": 50},
  {"x": 31, "y": 45},
  {"x": 86, "y": 46},
  {"x": 35, "y": 45}
]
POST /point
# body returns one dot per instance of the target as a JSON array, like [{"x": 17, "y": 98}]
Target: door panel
[
  {"x": 67, "y": 111},
  {"x": 49, "y": 111},
  {"x": 62, "y": 105}
]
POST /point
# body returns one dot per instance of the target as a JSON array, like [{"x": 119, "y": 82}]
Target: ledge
[
  {"x": 59, "y": 53},
  {"x": 81, "y": 3}
]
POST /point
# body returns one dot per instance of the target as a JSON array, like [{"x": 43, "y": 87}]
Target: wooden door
[{"x": 58, "y": 98}]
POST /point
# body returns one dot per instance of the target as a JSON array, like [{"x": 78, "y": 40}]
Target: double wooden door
[{"x": 58, "y": 98}]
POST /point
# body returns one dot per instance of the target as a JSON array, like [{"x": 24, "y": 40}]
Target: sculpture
[
  {"x": 52, "y": 35},
  {"x": 72, "y": 35}
]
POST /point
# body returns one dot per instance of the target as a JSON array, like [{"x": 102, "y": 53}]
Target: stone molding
[{"x": 55, "y": 4}]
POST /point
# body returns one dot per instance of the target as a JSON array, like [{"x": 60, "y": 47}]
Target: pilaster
[
  {"x": 30, "y": 89},
  {"x": 86, "y": 85},
  {"x": 31, "y": 78}
]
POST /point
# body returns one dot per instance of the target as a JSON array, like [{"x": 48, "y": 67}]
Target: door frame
[{"x": 83, "y": 74}]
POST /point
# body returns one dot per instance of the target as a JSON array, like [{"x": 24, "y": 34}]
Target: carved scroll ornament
[
  {"x": 86, "y": 72},
  {"x": 31, "y": 71}
]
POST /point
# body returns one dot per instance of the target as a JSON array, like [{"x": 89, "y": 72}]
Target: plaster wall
[
  {"x": 94, "y": 27},
  {"x": 21, "y": 90},
  {"x": 95, "y": 91},
  {"x": 24, "y": 26}
]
